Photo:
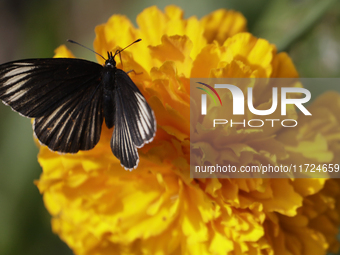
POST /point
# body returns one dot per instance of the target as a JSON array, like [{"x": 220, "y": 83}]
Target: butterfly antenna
[
  {"x": 71, "y": 41},
  {"x": 119, "y": 51}
]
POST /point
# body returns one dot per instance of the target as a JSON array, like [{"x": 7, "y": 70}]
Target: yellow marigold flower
[{"x": 99, "y": 208}]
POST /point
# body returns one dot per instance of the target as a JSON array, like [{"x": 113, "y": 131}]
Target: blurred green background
[{"x": 309, "y": 30}]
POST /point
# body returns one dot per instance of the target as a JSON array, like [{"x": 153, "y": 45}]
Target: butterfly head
[{"x": 111, "y": 59}]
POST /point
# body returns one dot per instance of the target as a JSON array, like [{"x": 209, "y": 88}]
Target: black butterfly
[{"x": 69, "y": 99}]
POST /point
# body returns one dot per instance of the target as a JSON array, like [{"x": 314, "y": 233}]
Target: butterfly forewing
[
  {"x": 36, "y": 87},
  {"x": 134, "y": 121},
  {"x": 64, "y": 95}
]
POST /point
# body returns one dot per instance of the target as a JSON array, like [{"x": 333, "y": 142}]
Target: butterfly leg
[{"x": 133, "y": 71}]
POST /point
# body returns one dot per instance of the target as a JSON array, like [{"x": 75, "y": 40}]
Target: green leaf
[{"x": 285, "y": 21}]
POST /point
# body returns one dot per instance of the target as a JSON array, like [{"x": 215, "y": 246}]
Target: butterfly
[{"x": 70, "y": 98}]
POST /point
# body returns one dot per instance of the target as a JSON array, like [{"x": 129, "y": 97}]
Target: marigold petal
[
  {"x": 221, "y": 24},
  {"x": 63, "y": 52},
  {"x": 206, "y": 60},
  {"x": 174, "y": 12},
  {"x": 176, "y": 48},
  {"x": 118, "y": 31},
  {"x": 283, "y": 66},
  {"x": 283, "y": 198},
  {"x": 257, "y": 53},
  {"x": 153, "y": 22}
]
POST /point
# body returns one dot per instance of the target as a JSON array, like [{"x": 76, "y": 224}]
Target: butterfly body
[
  {"x": 108, "y": 81},
  {"x": 70, "y": 98}
]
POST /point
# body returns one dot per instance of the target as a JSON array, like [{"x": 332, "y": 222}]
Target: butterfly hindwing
[
  {"x": 121, "y": 143},
  {"x": 134, "y": 121},
  {"x": 64, "y": 95}
]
